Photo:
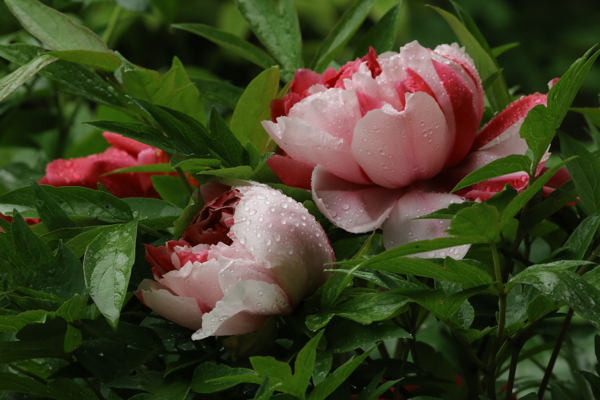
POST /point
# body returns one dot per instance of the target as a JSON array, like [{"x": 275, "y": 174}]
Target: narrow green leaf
[
  {"x": 364, "y": 309},
  {"x": 15, "y": 79},
  {"x": 541, "y": 123},
  {"x": 335, "y": 379},
  {"x": 342, "y": 32},
  {"x": 218, "y": 91},
  {"x": 551, "y": 204},
  {"x": 305, "y": 363},
  {"x": 592, "y": 113},
  {"x": 580, "y": 240},
  {"x": 253, "y": 107},
  {"x": 382, "y": 36},
  {"x": 277, "y": 371},
  {"x": 275, "y": 24},
  {"x": 53, "y": 28},
  {"x": 49, "y": 210},
  {"x": 498, "y": 51},
  {"x": 497, "y": 94},
  {"x": 72, "y": 78},
  {"x": 584, "y": 168},
  {"x": 502, "y": 166},
  {"x": 107, "y": 266},
  {"x": 224, "y": 142},
  {"x": 230, "y": 42},
  {"x": 106, "y": 61},
  {"x": 349, "y": 335}
]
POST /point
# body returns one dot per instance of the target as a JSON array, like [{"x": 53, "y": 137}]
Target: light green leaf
[
  {"x": 106, "y": 61},
  {"x": 342, "y": 32},
  {"x": 15, "y": 79},
  {"x": 53, "y": 28},
  {"x": 585, "y": 172},
  {"x": 230, "y": 42},
  {"x": 253, "y": 107},
  {"x": 480, "y": 219},
  {"x": 107, "y": 267},
  {"x": 206, "y": 374}
]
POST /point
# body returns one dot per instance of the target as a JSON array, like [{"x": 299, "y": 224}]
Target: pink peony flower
[
  {"x": 388, "y": 137},
  {"x": 88, "y": 171},
  {"x": 248, "y": 254}
]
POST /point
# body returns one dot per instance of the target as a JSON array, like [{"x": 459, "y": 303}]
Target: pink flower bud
[{"x": 249, "y": 254}]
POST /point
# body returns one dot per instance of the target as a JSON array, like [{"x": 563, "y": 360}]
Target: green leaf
[
  {"x": 502, "y": 166},
  {"x": 348, "y": 24},
  {"x": 224, "y": 143},
  {"x": 72, "y": 78},
  {"x": 154, "y": 213},
  {"x": 279, "y": 372},
  {"x": 305, "y": 364},
  {"x": 218, "y": 91},
  {"x": 74, "y": 201},
  {"x": 173, "y": 90},
  {"x": 522, "y": 198},
  {"x": 480, "y": 219},
  {"x": 335, "y": 379},
  {"x": 253, "y": 107},
  {"x": 541, "y": 123},
  {"x": 14, "y": 323},
  {"x": 230, "y": 42},
  {"x": 107, "y": 265},
  {"x": 49, "y": 210},
  {"x": 584, "y": 168},
  {"x": 53, "y": 28},
  {"x": 275, "y": 24},
  {"x": 580, "y": 240},
  {"x": 15, "y": 79},
  {"x": 567, "y": 286},
  {"x": 66, "y": 278},
  {"x": 497, "y": 94},
  {"x": 550, "y": 205},
  {"x": 349, "y": 335},
  {"x": 106, "y": 61},
  {"x": 592, "y": 113},
  {"x": 171, "y": 189},
  {"x": 79, "y": 243},
  {"x": 382, "y": 36},
  {"x": 205, "y": 375}
]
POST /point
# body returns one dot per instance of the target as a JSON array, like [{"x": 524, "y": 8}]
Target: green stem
[
  {"x": 512, "y": 373},
  {"x": 561, "y": 337},
  {"x": 112, "y": 22},
  {"x": 491, "y": 365},
  {"x": 185, "y": 180}
]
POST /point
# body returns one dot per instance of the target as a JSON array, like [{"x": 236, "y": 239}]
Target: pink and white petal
[
  {"x": 334, "y": 111},
  {"x": 354, "y": 208},
  {"x": 508, "y": 122},
  {"x": 482, "y": 191},
  {"x": 304, "y": 142},
  {"x": 243, "y": 310},
  {"x": 197, "y": 280},
  {"x": 400, "y": 228},
  {"x": 285, "y": 236},
  {"x": 184, "y": 311},
  {"x": 234, "y": 271},
  {"x": 398, "y": 148},
  {"x": 133, "y": 147}
]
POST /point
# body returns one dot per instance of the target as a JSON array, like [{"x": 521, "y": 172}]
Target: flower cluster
[{"x": 386, "y": 138}]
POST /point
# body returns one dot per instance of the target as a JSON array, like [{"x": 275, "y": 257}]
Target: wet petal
[
  {"x": 400, "y": 228},
  {"x": 354, "y": 208}
]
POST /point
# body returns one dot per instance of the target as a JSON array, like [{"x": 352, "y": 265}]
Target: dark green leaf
[
  {"x": 342, "y": 32},
  {"x": 585, "y": 172},
  {"x": 551, "y": 204},
  {"x": 279, "y": 373},
  {"x": 350, "y": 335},
  {"x": 276, "y": 26},
  {"x": 580, "y": 240},
  {"x": 107, "y": 265},
  {"x": 14, "y": 323},
  {"x": 75, "y": 201},
  {"x": 592, "y": 113},
  {"x": 478, "y": 220},
  {"x": 149, "y": 210},
  {"x": 53, "y": 28},
  {"x": 230, "y": 42},
  {"x": 15, "y": 79},
  {"x": 224, "y": 143},
  {"x": 219, "y": 91},
  {"x": 49, "y": 210},
  {"x": 305, "y": 363},
  {"x": 502, "y": 166},
  {"x": 382, "y": 36},
  {"x": 541, "y": 123},
  {"x": 204, "y": 375},
  {"x": 171, "y": 189},
  {"x": 253, "y": 107},
  {"x": 80, "y": 242}
]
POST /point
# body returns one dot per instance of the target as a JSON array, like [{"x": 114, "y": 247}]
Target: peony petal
[
  {"x": 354, "y": 208},
  {"x": 133, "y": 147},
  {"x": 285, "y": 236},
  {"x": 197, "y": 280},
  {"x": 184, "y": 311},
  {"x": 313, "y": 146},
  {"x": 243, "y": 309},
  {"x": 398, "y": 148},
  {"x": 235, "y": 270},
  {"x": 294, "y": 173},
  {"x": 400, "y": 228},
  {"x": 502, "y": 126}
]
